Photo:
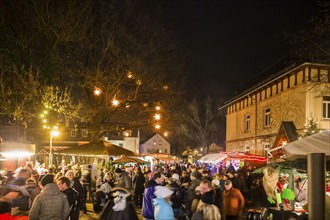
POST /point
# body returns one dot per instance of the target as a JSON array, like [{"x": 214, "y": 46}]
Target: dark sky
[{"x": 230, "y": 42}]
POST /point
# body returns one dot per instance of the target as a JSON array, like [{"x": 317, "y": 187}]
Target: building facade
[
  {"x": 294, "y": 94},
  {"x": 155, "y": 144}
]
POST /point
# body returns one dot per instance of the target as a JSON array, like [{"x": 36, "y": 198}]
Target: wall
[{"x": 293, "y": 96}]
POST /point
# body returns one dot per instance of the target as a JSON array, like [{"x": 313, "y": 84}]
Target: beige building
[
  {"x": 265, "y": 115},
  {"x": 155, "y": 144}
]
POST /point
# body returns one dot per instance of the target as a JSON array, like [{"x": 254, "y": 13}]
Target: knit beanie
[
  {"x": 48, "y": 178},
  {"x": 208, "y": 197},
  {"x": 118, "y": 170}
]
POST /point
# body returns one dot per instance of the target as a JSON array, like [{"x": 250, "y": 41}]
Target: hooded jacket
[
  {"x": 163, "y": 209},
  {"x": 50, "y": 204}
]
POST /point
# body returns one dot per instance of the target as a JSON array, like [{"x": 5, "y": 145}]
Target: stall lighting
[{"x": 16, "y": 154}]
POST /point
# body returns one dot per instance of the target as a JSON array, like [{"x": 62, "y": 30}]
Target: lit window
[
  {"x": 266, "y": 149},
  {"x": 326, "y": 107},
  {"x": 247, "y": 123},
  {"x": 160, "y": 142},
  {"x": 247, "y": 149},
  {"x": 155, "y": 142},
  {"x": 267, "y": 117},
  {"x": 73, "y": 132},
  {"x": 84, "y": 133}
]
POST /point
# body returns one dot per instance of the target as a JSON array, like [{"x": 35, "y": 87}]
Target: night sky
[{"x": 229, "y": 42}]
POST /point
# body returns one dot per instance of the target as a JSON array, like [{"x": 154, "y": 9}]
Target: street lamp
[{"x": 53, "y": 133}]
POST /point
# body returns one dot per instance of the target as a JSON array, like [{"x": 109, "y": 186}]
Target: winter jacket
[
  {"x": 233, "y": 202},
  {"x": 74, "y": 203},
  {"x": 191, "y": 193},
  {"x": 177, "y": 196},
  {"x": 124, "y": 180},
  {"x": 129, "y": 213},
  {"x": 138, "y": 183},
  {"x": 148, "y": 207},
  {"x": 50, "y": 204},
  {"x": 163, "y": 209}
]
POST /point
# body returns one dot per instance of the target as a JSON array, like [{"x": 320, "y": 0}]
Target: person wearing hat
[
  {"x": 217, "y": 193},
  {"x": 163, "y": 208},
  {"x": 120, "y": 206},
  {"x": 50, "y": 203},
  {"x": 148, "y": 207},
  {"x": 177, "y": 196},
  {"x": 233, "y": 201},
  {"x": 191, "y": 195},
  {"x": 206, "y": 208}
]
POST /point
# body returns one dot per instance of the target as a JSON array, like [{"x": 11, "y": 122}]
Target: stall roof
[
  {"x": 317, "y": 143},
  {"x": 99, "y": 148},
  {"x": 212, "y": 158}
]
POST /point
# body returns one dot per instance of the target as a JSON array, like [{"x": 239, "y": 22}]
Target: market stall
[
  {"x": 316, "y": 149},
  {"x": 14, "y": 154},
  {"x": 91, "y": 153},
  {"x": 240, "y": 159}
]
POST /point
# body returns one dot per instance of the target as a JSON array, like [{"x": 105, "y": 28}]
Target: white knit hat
[
  {"x": 163, "y": 192},
  {"x": 216, "y": 182},
  {"x": 175, "y": 176}
]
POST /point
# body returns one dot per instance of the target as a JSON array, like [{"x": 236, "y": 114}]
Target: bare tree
[
  {"x": 198, "y": 121},
  {"x": 77, "y": 46}
]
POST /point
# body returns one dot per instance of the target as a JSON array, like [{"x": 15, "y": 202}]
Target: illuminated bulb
[
  {"x": 42, "y": 115},
  {"x": 115, "y": 102},
  {"x": 157, "y": 126},
  {"x": 126, "y": 134},
  {"x": 44, "y": 126},
  {"x": 157, "y": 116},
  {"x": 165, "y": 134},
  {"x": 129, "y": 75},
  {"x": 44, "y": 121},
  {"x": 139, "y": 82},
  {"x": 165, "y": 87},
  {"x": 97, "y": 92},
  {"x": 157, "y": 107},
  {"x": 55, "y": 127}
]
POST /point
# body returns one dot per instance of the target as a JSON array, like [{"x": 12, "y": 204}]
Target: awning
[
  {"x": 212, "y": 158},
  {"x": 317, "y": 143},
  {"x": 96, "y": 149}
]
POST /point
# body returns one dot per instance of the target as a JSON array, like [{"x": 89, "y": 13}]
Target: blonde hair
[
  {"x": 209, "y": 211},
  {"x": 270, "y": 180}
]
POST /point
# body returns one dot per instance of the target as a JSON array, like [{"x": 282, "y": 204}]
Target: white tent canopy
[
  {"x": 317, "y": 143},
  {"x": 212, "y": 158}
]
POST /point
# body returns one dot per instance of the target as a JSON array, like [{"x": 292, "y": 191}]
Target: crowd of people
[{"x": 173, "y": 191}]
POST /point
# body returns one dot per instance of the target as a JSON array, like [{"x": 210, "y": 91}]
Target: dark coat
[
  {"x": 138, "y": 183},
  {"x": 129, "y": 213},
  {"x": 177, "y": 196},
  {"x": 74, "y": 203}
]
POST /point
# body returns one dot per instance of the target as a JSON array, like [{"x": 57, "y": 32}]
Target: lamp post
[{"x": 53, "y": 134}]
